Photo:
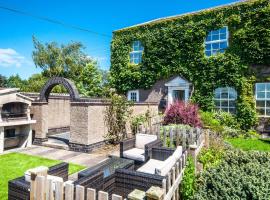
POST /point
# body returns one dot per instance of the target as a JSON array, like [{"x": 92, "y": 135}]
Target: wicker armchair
[
  {"x": 140, "y": 152},
  {"x": 127, "y": 180}
]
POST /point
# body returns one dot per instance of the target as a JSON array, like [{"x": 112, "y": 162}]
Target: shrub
[
  {"x": 116, "y": 117},
  {"x": 138, "y": 120},
  {"x": 242, "y": 175},
  {"x": 182, "y": 113},
  {"x": 226, "y": 119},
  {"x": 209, "y": 121},
  {"x": 187, "y": 187}
]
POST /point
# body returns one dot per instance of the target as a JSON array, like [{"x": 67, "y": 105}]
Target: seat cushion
[
  {"x": 143, "y": 139},
  {"x": 177, "y": 153},
  {"x": 150, "y": 166},
  {"x": 165, "y": 167},
  {"x": 134, "y": 154}
]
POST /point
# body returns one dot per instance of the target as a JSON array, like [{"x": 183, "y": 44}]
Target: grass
[
  {"x": 250, "y": 144},
  {"x": 14, "y": 165}
]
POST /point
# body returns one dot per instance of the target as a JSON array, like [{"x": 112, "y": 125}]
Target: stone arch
[{"x": 51, "y": 83}]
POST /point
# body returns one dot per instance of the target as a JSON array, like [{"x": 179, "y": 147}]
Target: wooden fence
[
  {"x": 47, "y": 187},
  {"x": 174, "y": 135}
]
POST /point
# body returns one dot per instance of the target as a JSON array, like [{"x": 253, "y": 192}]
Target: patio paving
[{"x": 85, "y": 159}]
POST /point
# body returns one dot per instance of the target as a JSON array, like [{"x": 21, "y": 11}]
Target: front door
[{"x": 178, "y": 95}]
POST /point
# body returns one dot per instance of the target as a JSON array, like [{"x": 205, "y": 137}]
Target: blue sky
[{"x": 16, "y": 30}]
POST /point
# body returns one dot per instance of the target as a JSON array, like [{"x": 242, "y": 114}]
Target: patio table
[{"x": 108, "y": 167}]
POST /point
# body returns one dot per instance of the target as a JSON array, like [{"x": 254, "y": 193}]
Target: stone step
[{"x": 55, "y": 144}]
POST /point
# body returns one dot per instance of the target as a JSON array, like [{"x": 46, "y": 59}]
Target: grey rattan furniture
[
  {"x": 127, "y": 180},
  {"x": 18, "y": 189},
  {"x": 108, "y": 167},
  {"x": 130, "y": 144}
]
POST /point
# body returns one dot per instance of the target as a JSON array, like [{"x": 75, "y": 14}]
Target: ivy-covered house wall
[{"x": 176, "y": 46}]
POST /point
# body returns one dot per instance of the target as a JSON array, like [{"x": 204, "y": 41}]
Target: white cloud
[{"x": 9, "y": 57}]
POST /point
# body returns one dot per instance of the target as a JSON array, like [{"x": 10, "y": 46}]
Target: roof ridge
[{"x": 181, "y": 15}]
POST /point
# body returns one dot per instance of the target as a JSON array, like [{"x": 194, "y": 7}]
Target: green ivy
[{"x": 176, "y": 46}]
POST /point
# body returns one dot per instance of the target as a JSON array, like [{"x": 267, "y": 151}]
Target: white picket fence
[
  {"x": 171, "y": 188},
  {"x": 47, "y": 187}
]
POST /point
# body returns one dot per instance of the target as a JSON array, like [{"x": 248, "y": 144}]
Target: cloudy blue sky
[{"x": 101, "y": 16}]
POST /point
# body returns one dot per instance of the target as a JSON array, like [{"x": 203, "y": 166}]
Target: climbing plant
[{"x": 176, "y": 46}]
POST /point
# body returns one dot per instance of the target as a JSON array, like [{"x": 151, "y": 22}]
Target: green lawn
[
  {"x": 250, "y": 144},
  {"x": 14, "y": 165}
]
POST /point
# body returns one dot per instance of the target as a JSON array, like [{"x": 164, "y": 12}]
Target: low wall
[
  {"x": 84, "y": 119},
  {"x": 87, "y": 127}
]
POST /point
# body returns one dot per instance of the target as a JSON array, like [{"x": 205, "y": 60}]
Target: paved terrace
[{"x": 86, "y": 159}]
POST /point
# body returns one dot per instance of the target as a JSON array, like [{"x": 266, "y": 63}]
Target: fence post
[
  {"x": 171, "y": 137},
  {"x": 91, "y": 194},
  {"x": 49, "y": 189},
  {"x": 154, "y": 193},
  {"x": 59, "y": 190},
  {"x": 69, "y": 191},
  {"x": 40, "y": 188},
  {"x": 184, "y": 143},
  {"x": 116, "y": 197},
  {"x": 136, "y": 195},
  {"x": 103, "y": 195},
  {"x": 39, "y": 171},
  {"x": 79, "y": 192},
  {"x": 192, "y": 152},
  {"x": 164, "y": 137},
  {"x": 177, "y": 132}
]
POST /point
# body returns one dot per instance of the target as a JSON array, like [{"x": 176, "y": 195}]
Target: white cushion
[
  {"x": 143, "y": 139},
  {"x": 166, "y": 166},
  {"x": 177, "y": 153},
  {"x": 134, "y": 154},
  {"x": 150, "y": 166}
]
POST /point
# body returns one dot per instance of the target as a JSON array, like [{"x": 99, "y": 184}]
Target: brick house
[{"x": 217, "y": 32}]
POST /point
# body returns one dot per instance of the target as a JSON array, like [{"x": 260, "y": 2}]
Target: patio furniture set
[{"x": 143, "y": 163}]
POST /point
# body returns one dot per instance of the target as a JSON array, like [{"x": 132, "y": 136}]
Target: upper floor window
[
  {"x": 216, "y": 41},
  {"x": 263, "y": 98},
  {"x": 225, "y": 99},
  {"x": 133, "y": 95},
  {"x": 136, "y": 53}
]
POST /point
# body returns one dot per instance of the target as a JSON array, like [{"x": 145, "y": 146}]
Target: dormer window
[
  {"x": 136, "y": 53},
  {"x": 216, "y": 41}
]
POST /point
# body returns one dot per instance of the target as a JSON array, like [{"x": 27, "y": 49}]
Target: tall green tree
[
  {"x": 60, "y": 60},
  {"x": 90, "y": 80}
]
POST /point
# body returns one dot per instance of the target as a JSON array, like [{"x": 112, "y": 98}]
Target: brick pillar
[
  {"x": 2, "y": 139},
  {"x": 40, "y": 114}
]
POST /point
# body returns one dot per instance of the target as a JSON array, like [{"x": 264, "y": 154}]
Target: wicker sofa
[
  {"x": 139, "y": 148},
  {"x": 18, "y": 189}
]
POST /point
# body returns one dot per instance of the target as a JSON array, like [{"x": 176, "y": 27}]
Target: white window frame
[
  {"x": 134, "y": 52},
  {"x": 129, "y": 94},
  {"x": 216, "y": 41},
  {"x": 228, "y": 99},
  {"x": 265, "y": 99}
]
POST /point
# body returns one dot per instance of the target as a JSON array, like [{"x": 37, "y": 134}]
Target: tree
[
  {"x": 90, "y": 81},
  {"x": 15, "y": 81},
  {"x": 35, "y": 83},
  {"x": 60, "y": 60},
  {"x": 3, "y": 81}
]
